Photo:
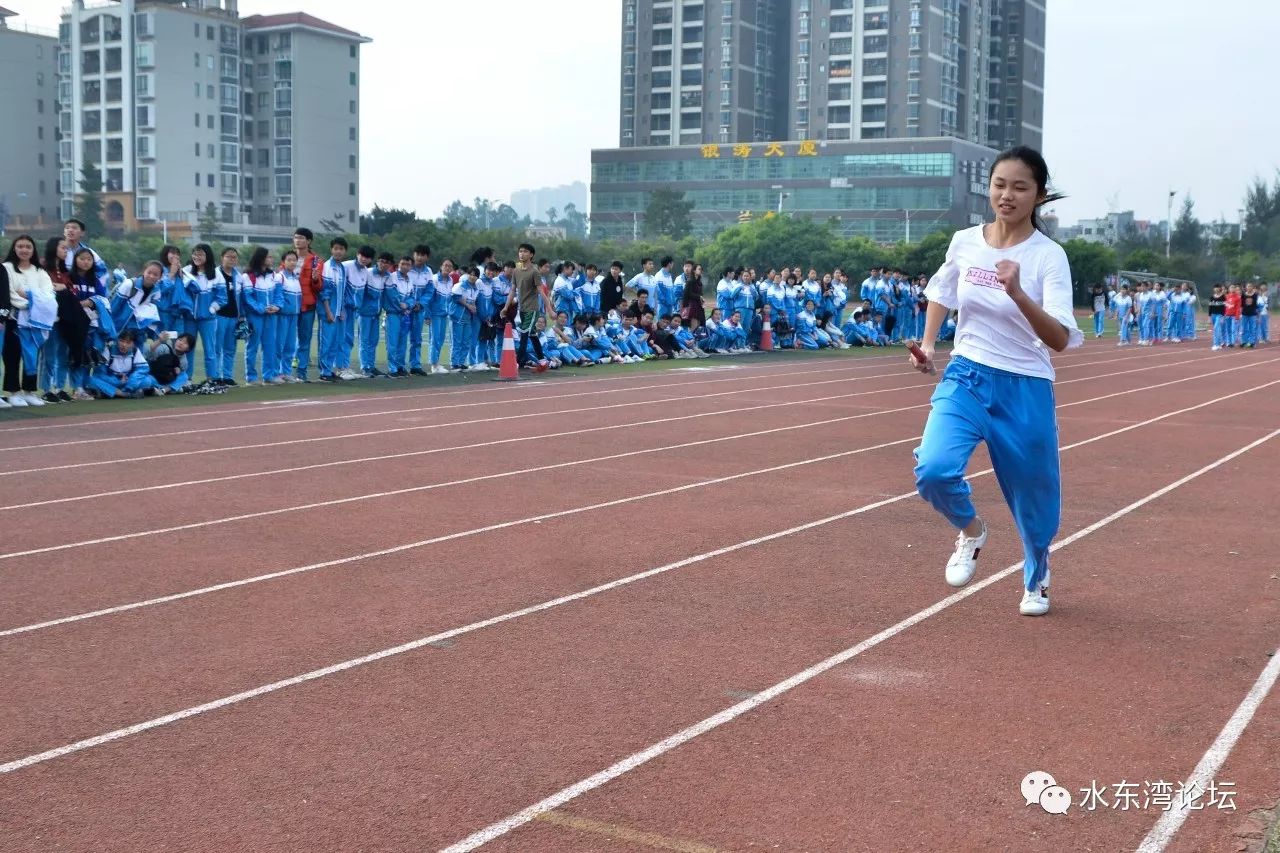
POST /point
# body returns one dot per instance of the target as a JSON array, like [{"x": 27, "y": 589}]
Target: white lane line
[
  {"x": 275, "y": 686},
  {"x": 426, "y": 393},
  {"x": 598, "y": 408},
  {"x": 1211, "y": 762},
  {"x": 435, "y": 450},
  {"x": 474, "y": 421},
  {"x": 196, "y": 525},
  {"x": 680, "y": 385},
  {"x": 505, "y": 401},
  {"x": 137, "y": 605},
  {"x": 631, "y": 762}
]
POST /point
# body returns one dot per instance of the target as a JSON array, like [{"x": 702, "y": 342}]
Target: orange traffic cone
[
  {"x": 766, "y": 337},
  {"x": 508, "y": 370}
]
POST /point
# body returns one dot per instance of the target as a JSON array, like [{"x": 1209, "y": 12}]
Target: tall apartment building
[
  {"x": 883, "y": 69},
  {"x": 722, "y": 71},
  {"x": 182, "y": 104},
  {"x": 28, "y": 146},
  {"x": 704, "y": 71}
]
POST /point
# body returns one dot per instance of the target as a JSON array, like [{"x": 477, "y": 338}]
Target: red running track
[{"x": 420, "y": 749}]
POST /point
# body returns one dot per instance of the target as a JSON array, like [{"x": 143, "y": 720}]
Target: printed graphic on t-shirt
[{"x": 983, "y": 278}]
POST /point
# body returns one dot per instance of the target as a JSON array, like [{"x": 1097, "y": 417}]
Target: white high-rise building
[
  {"x": 182, "y": 104},
  {"x": 28, "y": 147}
]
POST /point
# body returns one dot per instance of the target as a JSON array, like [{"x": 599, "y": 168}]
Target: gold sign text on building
[{"x": 805, "y": 148}]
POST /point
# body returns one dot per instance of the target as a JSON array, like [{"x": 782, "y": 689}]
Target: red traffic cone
[
  {"x": 766, "y": 336},
  {"x": 508, "y": 370}
]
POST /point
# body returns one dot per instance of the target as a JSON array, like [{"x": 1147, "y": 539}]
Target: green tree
[
  {"x": 574, "y": 222},
  {"x": 667, "y": 214},
  {"x": 88, "y": 205},
  {"x": 383, "y": 220},
  {"x": 1090, "y": 264},
  {"x": 1187, "y": 238},
  {"x": 929, "y": 254},
  {"x": 1143, "y": 260},
  {"x": 208, "y": 222}
]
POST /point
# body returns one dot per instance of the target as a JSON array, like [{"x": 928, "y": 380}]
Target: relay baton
[{"x": 915, "y": 350}]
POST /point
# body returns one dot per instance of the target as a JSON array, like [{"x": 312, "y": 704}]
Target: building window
[
  {"x": 197, "y": 52},
  {"x": 351, "y": 134},
  {"x": 209, "y": 178},
  {"x": 209, "y": 150},
  {"x": 113, "y": 59},
  {"x": 353, "y": 78},
  {"x": 209, "y": 122},
  {"x": 284, "y": 99},
  {"x": 144, "y": 146},
  {"x": 264, "y": 158},
  {"x": 284, "y": 155},
  {"x": 208, "y": 33},
  {"x": 144, "y": 178},
  {"x": 284, "y": 184},
  {"x": 353, "y": 107},
  {"x": 142, "y": 85},
  {"x": 115, "y": 120},
  {"x": 351, "y": 188},
  {"x": 92, "y": 92},
  {"x": 197, "y": 125},
  {"x": 284, "y": 127},
  {"x": 91, "y": 121},
  {"x": 143, "y": 207}
]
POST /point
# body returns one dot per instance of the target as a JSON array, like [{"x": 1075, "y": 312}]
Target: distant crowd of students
[{"x": 1238, "y": 314}]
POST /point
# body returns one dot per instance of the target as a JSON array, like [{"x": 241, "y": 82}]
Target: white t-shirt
[{"x": 992, "y": 331}]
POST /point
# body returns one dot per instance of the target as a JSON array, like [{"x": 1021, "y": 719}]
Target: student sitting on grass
[
  {"x": 123, "y": 372},
  {"x": 170, "y": 362}
]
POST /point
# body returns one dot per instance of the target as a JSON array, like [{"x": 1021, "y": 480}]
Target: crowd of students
[
  {"x": 75, "y": 331},
  {"x": 1238, "y": 314}
]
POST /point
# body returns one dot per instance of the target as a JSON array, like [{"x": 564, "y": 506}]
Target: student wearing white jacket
[{"x": 33, "y": 310}]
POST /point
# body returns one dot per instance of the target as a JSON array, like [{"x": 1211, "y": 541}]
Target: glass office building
[{"x": 887, "y": 190}]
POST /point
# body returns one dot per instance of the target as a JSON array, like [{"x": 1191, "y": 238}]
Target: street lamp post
[
  {"x": 1168, "y": 225},
  {"x": 781, "y": 195}
]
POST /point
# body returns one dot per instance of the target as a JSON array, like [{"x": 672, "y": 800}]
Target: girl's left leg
[
  {"x": 225, "y": 336},
  {"x": 1023, "y": 443},
  {"x": 1098, "y": 317}
]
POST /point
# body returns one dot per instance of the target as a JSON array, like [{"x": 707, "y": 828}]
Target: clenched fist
[{"x": 1008, "y": 273}]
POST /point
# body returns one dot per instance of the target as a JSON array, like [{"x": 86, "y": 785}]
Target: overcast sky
[{"x": 485, "y": 97}]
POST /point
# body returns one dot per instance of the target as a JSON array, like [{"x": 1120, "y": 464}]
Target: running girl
[{"x": 1012, "y": 285}]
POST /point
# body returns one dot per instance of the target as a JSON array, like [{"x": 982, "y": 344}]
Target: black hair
[
  {"x": 164, "y": 256},
  {"x": 367, "y": 252},
  {"x": 125, "y": 335},
  {"x": 189, "y": 338},
  {"x": 481, "y": 255},
  {"x": 150, "y": 264},
  {"x": 408, "y": 258},
  {"x": 593, "y": 267},
  {"x": 492, "y": 267},
  {"x": 422, "y": 249},
  {"x": 667, "y": 259},
  {"x": 1033, "y": 160},
  {"x": 51, "y": 253},
  {"x": 12, "y": 257},
  {"x": 542, "y": 262},
  {"x": 229, "y": 250},
  {"x": 616, "y": 265},
  {"x": 210, "y": 268},
  {"x": 258, "y": 261},
  {"x": 338, "y": 241},
  {"x": 528, "y": 247},
  {"x": 305, "y": 233},
  {"x": 644, "y": 261},
  {"x": 388, "y": 257},
  {"x": 79, "y": 222}
]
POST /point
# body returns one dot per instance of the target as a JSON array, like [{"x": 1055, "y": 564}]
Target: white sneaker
[
  {"x": 1036, "y": 603},
  {"x": 4, "y": 404},
  {"x": 32, "y": 399},
  {"x": 17, "y": 401},
  {"x": 964, "y": 562},
  {"x": 439, "y": 369}
]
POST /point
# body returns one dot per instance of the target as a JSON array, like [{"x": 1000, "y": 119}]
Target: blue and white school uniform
[
  {"x": 806, "y": 330},
  {"x": 256, "y": 295},
  {"x": 564, "y": 298},
  {"x": 226, "y": 291},
  {"x": 121, "y": 373},
  {"x": 1264, "y": 319},
  {"x": 134, "y": 307},
  {"x": 1148, "y": 308},
  {"x": 201, "y": 293},
  {"x": 357, "y": 280},
  {"x": 436, "y": 301},
  {"x": 486, "y": 351},
  {"x": 288, "y": 298},
  {"x": 425, "y": 309},
  {"x": 589, "y": 295},
  {"x": 998, "y": 388},
  {"x": 333, "y": 294},
  {"x": 370, "y": 318},
  {"x": 465, "y": 323},
  {"x": 171, "y": 301},
  {"x": 397, "y": 301},
  {"x": 1122, "y": 306},
  {"x": 1099, "y": 313}
]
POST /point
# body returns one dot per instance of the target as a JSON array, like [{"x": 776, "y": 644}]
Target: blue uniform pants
[
  {"x": 439, "y": 325},
  {"x": 332, "y": 345},
  {"x": 225, "y": 344},
  {"x": 262, "y": 339},
  {"x": 370, "y": 328},
  {"x": 1015, "y": 416},
  {"x": 397, "y": 340},
  {"x": 416, "y": 321},
  {"x": 306, "y": 331}
]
